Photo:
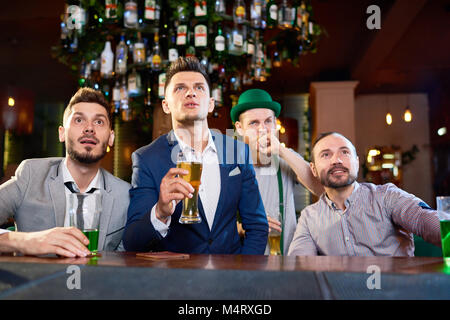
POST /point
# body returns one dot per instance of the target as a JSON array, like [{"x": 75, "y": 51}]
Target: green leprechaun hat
[{"x": 252, "y": 99}]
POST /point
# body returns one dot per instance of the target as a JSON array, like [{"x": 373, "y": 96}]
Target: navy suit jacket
[{"x": 239, "y": 192}]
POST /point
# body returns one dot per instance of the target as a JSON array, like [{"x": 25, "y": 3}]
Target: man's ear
[
  {"x": 212, "y": 104},
  {"x": 313, "y": 169},
  {"x": 165, "y": 106},
  {"x": 62, "y": 134},
  {"x": 111, "y": 139},
  {"x": 238, "y": 126}
]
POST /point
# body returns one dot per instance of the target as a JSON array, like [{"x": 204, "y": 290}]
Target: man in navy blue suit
[{"x": 228, "y": 183}]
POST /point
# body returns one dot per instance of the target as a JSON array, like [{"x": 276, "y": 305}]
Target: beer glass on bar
[
  {"x": 443, "y": 208},
  {"x": 84, "y": 214},
  {"x": 192, "y": 162},
  {"x": 274, "y": 235}
]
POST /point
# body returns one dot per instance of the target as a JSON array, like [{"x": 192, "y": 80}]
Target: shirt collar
[
  {"x": 348, "y": 201},
  {"x": 211, "y": 145},
  {"x": 67, "y": 177}
]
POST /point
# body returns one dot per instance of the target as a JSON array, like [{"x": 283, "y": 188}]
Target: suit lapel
[
  {"x": 58, "y": 194},
  {"x": 224, "y": 171}
]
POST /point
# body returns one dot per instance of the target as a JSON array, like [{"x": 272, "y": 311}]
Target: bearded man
[
  {"x": 358, "y": 219},
  {"x": 37, "y": 196}
]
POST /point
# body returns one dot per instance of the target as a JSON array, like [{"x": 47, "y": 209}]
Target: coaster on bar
[{"x": 163, "y": 255}]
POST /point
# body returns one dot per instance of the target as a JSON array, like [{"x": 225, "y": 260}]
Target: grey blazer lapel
[
  {"x": 58, "y": 194},
  {"x": 105, "y": 215}
]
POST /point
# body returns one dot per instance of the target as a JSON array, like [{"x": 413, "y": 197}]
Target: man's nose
[
  {"x": 89, "y": 128},
  {"x": 337, "y": 159},
  {"x": 190, "y": 92}
]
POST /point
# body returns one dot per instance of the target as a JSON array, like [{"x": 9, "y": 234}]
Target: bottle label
[
  {"x": 273, "y": 12},
  {"x": 161, "y": 83},
  {"x": 150, "y": 9},
  {"x": 200, "y": 8},
  {"x": 237, "y": 39},
  {"x": 250, "y": 49},
  {"x": 132, "y": 85},
  {"x": 200, "y": 36},
  {"x": 116, "y": 94},
  {"x": 299, "y": 17},
  {"x": 173, "y": 54},
  {"x": 255, "y": 10},
  {"x": 240, "y": 11},
  {"x": 156, "y": 61},
  {"x": 181, "y": 35},
  {"x": 220, "y": 43}
]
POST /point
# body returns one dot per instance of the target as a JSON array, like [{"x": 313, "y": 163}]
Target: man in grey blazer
[{"x": 36, "y": 196}]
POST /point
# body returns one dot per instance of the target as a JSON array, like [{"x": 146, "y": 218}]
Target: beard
[
  {"x": 329, "y": 181},
  {"x": 85, "y": 157}
]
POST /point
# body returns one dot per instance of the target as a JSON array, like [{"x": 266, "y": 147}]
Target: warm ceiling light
[
  {"x": 388, "y": 119},
  {"x": 407, "y": 116},
  {"x": 11, "y": 102},
  {"x": 442, "y": 131},
  {"x": 282, "y": 130}
]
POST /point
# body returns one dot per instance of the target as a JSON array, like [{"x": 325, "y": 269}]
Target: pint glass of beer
[
  {"x": 192, "y": 162},
  {"x": 274, "y": 235}
]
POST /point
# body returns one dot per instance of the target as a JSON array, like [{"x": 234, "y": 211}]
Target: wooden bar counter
[{"x": 123, "y": 275}]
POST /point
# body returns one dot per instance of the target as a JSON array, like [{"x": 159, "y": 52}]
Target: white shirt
[
  {"x": 95, "y": 183},
  {"x": 209, "y": 191}
]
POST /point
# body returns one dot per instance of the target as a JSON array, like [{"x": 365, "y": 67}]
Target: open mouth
[{"x": 88, "y": 142}]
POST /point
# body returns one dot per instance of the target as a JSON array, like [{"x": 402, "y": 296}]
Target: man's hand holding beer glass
[{"x": 173, "y": 189}]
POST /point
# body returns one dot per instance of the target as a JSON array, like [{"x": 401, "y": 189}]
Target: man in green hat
[{"x": 277, "y": 168}]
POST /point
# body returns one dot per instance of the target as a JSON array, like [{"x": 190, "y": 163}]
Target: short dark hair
[
  {"x": 91, "y": 96},
  {"x": 183, "y": 64},
  {"x": 324, "y": 135}
]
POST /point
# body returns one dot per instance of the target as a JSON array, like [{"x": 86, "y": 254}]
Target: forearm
[
  {"x": 140, "y": 235},
  {"x": 301, "y": 168},
  {"x": 10, "y": 241}
]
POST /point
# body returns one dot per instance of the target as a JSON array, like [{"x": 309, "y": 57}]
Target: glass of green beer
[
  {"x": 192, "y": 162},
  {"x": 84, "y": 214},
  {"x": 443, "y": 208}
]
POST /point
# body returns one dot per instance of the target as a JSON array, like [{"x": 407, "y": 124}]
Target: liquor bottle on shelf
[
  {"x": 134, "y": 84},
  {"x": 156, "y": 54},
  {"x": 217, "y": 93},
  {"x": 239, "y": 13},
  {"x": 130, "y": 16},
  {"x": 201, "y": 9},
  {"x": 200, "y": 35},
  {"x": 250, "y": 44},
  {"x": 236, "y": 41},
  {"x": 116, "y": 97},
  {"x": 107, "y": 61},
  {"x": 219, "y": 43},
  {"x": 111, "y": 10},
  {"x": 95, "y": 73},
  {"x": 152, "y": 11},
  {"x": 161, "y": 83},
  {"x": 272, "y": 13},
  {"x": 124, "y": 105},
  {"x": 121, "y": 56},
  {"x": 284, "y": 15},
  {"x": 139, "y": 50},
  {"x": 173, "y": 51},
  {"x": 183, "y": 36},
  {"x": 300, "y": 10},
  {"x": 219, "y": 7},
  {"x": 256, "y": 13}
]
